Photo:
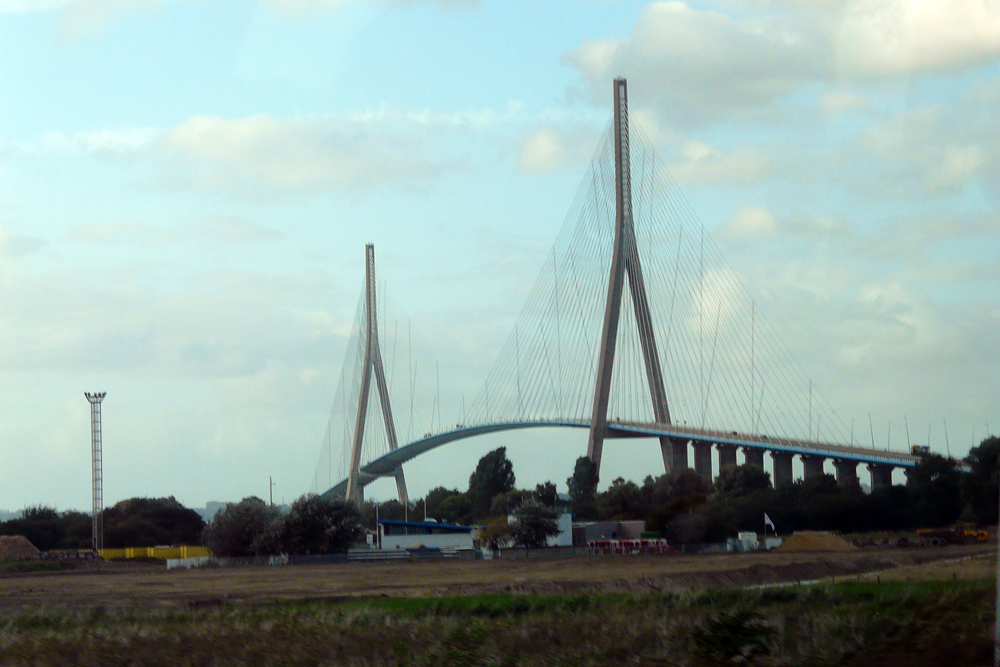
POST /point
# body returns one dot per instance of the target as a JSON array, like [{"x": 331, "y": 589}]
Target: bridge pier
[
  {"x": 881, "y": 475},
  {"x": 678, "y": 453},
  {"x": 812, "y": 466},
  {"x": 754, "y": 456},
  {"x": 782, "y": 468},
  {"x": 727, "y": 456},
  {"x": 703, "y": 459},
  {"x": 847, "y": 473}
]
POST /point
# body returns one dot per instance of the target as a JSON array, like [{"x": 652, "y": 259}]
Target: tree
[
  {"x": 547, "y": 494},
  {"x": 533, "y": 525},
  {"x": 583, "y": 484},
  {"x": 78, "y": 530},
  {"x": 742, "y": 480},
  {"x": 40, "y": 525},
  {"x": 622, "y": 500},
  {"x": 435, "y": 497},
  {"x": 150, "y": 522},
  {"x": 505, "y": 503},
  {"x": 238, "y": 530},
  {"x": 661, "y": 518},
  {"x": 936, "y": 490},
  {"x": 686, "y": 483},
  {"x": 495, "y": 534},
  {"x": 393, "y": 510},
  {"x": 494, "y": 474},
  {"x": 982, "y": 487},
  {"x": 457, "y": 509},
  {"x": 816, "y": 486},
  {"x": 689, "y": 527},
  {"x": 317, "y": 526}
]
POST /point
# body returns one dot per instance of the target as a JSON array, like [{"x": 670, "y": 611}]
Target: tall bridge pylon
[
  {"x": 625, "y": 260},
  {"x": 582, "y": 355},
  {"x": 372, "y": 362}
]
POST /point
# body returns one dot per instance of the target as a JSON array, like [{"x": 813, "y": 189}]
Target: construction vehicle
[{"x": 960, "y": 534}]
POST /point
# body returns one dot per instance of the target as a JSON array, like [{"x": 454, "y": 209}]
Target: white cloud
[
  {"x": 80, "y": 18},
  {"x": 302, "y": 8},
  {"x": 262, "y": 156},
  {"x": 228, "y": 230},
  {"x": 958, "y": 164},
  {"x": 18, "y": 6},
  {"x": 699, "y": 163},
  {"x": 887, "y": 37},
  {"x": 199, "y": 327},
  {"x": 899, "y": 325},
  {"x": 84, "y": 18},
  {"x": 305, "y": 156},
  {"x": 755, "y": 223},
  {"x": 305, "y": 7},
  {"x": 696, "y": 65},
  {"x": 117, "y": 140},
  {"x": 751, "y": 222},
  {"x": 542, "y": 151},
  {"x": 929, "y": 150},
  {"x": 232, "y": 230},
  {"x": 839, "y": 101},
  {"x": 16, "y": 245},
  {"x": 136, "y": 233}
]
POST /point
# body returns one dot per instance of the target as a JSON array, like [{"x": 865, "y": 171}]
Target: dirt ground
[{"x": 114, "y": 584}]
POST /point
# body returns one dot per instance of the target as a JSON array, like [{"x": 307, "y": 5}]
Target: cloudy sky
[{"x": 186, "y": 188}]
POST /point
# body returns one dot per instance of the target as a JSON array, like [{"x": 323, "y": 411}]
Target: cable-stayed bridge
[{"x": 635, "y": 327}]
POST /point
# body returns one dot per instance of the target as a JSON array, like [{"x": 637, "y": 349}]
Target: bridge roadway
[{"x": 813, "y": 453}]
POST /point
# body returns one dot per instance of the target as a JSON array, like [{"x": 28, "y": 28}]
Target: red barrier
[{"x": 614, "y": 547}]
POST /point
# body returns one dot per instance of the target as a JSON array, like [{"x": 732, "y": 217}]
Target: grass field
[{"x": 572, "y": 611}]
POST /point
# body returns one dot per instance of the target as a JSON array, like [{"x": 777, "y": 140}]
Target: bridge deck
[{"x": 385, "y": 465}]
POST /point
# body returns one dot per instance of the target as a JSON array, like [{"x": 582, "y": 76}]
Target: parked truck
[{"x": 960, "y": 534}]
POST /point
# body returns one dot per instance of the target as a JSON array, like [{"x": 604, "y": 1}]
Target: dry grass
[
  {"x": 577, "y": 611},
  {"x": 961, "y": 568},
  {"x": 853, "y": 624},
  {"x": 111, "y": 585}
]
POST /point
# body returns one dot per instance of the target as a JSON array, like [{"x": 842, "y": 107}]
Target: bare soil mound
[
  {"x": 815, "y": 540},
  {"x": 17, "y": 547}
]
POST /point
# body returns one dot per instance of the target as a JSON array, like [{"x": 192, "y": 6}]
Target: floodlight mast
[{"x": 97, "y": 522}]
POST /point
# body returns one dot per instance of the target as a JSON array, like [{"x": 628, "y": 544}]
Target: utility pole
[{"x": 97, "y": 473}]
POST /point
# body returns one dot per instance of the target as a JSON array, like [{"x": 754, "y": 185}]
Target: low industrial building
[
  {"x": 423, "y": 535},
  {"x": 585, "y": 532}
]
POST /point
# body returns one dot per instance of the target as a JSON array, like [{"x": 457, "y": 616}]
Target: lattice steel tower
[{"x": 97, "y": 523}]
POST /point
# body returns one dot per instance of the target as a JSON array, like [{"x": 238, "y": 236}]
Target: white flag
[{"x": 768, "y": 522}]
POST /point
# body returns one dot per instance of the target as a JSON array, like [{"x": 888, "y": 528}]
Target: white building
[{"x": 403, "y": 535}]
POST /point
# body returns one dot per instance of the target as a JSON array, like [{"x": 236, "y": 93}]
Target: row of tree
[
  {"x": 685, "y": 507},
  {"x": 312, "y": 525},
  {"x": 135, "y": 522},
  {"x": 249, "y": 527},
  {"x": 682, "y": 505},
  {"x": 491, "y": 492}
]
